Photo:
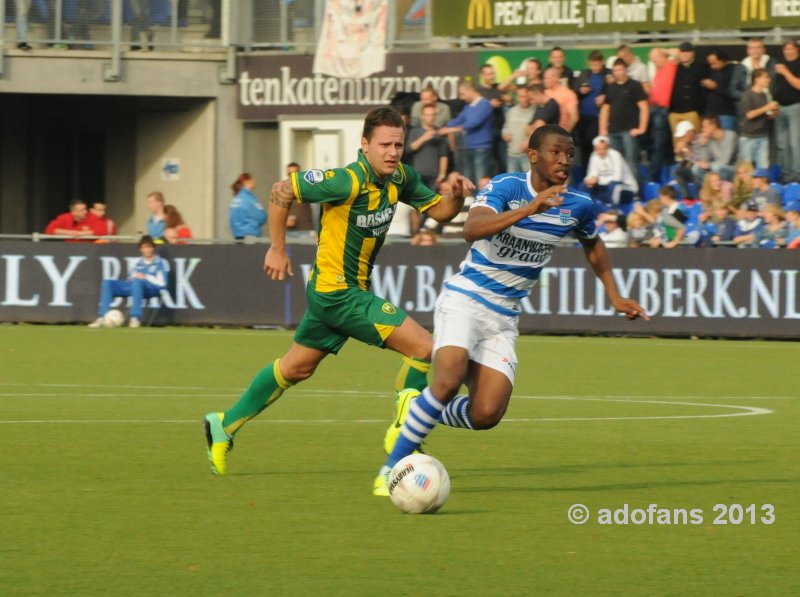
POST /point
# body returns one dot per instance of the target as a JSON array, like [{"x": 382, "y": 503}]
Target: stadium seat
[
  {"x": 651, "y": 191},
  {"x": 694, "y": 212},
  {"x": 791, "y": 192},
  {"x": 775, "y": 173}
]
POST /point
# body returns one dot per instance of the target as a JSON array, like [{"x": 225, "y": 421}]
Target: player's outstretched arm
[
  {"x": 276, "y": 262},
  {"x": 450, "y": 205},
  {"x": 597, "y": 256},
  {"x": 483, "y": 221}
]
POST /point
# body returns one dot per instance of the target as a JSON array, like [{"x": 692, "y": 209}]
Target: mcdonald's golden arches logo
[
  {"x": 682, "y": 11},
  {"x": 479, "y": 14},
  {"x": 755, "y": 10}
]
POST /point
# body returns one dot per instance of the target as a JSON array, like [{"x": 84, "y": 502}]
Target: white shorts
[{"x": 489, "y": 338}]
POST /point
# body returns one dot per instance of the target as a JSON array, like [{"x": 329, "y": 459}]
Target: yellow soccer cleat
[
  {"x": 219, "y": 443},
  {"x": 380, "y": 487},
  {"x": 404, "y": 400}
]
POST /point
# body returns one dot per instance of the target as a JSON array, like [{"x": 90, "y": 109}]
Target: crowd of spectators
[{"x": 690, "y": 149}]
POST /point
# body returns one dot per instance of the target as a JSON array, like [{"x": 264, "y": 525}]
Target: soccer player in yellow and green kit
[{"x": 358, "y": 202}]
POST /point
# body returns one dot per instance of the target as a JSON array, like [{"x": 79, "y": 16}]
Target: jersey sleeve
[
  {"x": 586, "y": 227},
  {"x": 324, "y": 186},
  {"x": 494, "y": 195},
  {"x": 414, "y": 192}
]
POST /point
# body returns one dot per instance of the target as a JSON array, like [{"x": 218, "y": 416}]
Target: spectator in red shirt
[
  {"x": 661, "y": 83},
  {"x": 99, "y": 222},
  {"x": 74, "y": 224}
]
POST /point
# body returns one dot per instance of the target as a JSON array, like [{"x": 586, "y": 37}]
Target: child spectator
[
  {"x": 774, "y": 232},
  {"x": 719, "y": 223},
  {"x": 792, "y": 214},
  {"x": 747, "y": 224},
  {"x": 757, "y": 111},
  {"x": 715, "y": 190},
  {"x": 176, "y": 231},
  {"x": 671, "y": 224},
  {"x": 246, "y": 213},
  {"x": 640, "y": 231},
  {"x": 742, "y": 183},
  {"x": 763, "y": 193},
  {"x": 146, "y": 280},
  {"x": 155, "y": 223}
]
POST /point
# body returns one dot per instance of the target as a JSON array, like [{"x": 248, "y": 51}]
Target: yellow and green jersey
[{"x": 357, "y": 210}]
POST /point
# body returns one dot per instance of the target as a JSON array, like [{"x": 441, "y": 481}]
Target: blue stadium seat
[
  {"x": 791, "y": 192},
  {"x": 694, "y": 212},
  {"x": 775, "y": 173},
  {"x": 651, "y": 191}
]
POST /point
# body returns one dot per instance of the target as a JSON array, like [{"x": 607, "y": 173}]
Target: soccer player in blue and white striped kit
[{"x": 514, "y": 225}]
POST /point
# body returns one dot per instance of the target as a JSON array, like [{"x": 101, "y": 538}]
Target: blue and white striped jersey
[
  {"x": 154, "y": 272},
  {"x": 500, "y": 270}
]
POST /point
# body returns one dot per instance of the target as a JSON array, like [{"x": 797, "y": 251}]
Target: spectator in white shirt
[{"x": 609, "y": 179}]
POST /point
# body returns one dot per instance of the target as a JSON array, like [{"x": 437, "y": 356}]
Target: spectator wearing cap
[
  {"x": 757, "y": 112},
  {"x": 747, "y": 224},
  {"x": 609, "y": 180},
  {"x": 787, "y": 94},
  {"x": 687, "y": 153},
  {"x": 688, "y": 96},
  {"x": 792, "y": 213},
  {"x": 624, "y": 115},
  {"x": 715, "y": 151},
  {"x": 721, "y": 100},
  {"x": 611, "y": 230},
  {"x": 661, "y": 83},
  {"x": 763, "y": 193}
]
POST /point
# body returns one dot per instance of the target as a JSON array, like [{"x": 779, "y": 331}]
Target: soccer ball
[
  {"x": 113, "y": 319},
  {"x": 419, "y": 484}
]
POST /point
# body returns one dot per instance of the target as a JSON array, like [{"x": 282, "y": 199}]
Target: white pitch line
[{"x": 742, "y": 411}]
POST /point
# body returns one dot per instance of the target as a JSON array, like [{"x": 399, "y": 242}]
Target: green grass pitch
[{"x": 106, "y": 488}]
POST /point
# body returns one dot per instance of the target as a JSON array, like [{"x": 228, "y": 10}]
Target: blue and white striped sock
[
  {"x": 423, "y": 415},
  {"x": 456, "y": 413}
]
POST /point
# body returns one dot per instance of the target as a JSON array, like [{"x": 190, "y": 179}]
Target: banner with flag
[{"x": 352, "y": 43}]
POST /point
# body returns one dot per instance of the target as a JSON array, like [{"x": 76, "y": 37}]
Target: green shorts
[{"x": 333, "y": 317}]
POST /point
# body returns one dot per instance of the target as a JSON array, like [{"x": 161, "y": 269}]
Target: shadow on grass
[{"x": 626, "y": 486}]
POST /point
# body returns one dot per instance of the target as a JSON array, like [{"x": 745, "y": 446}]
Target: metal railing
[{"x": 253, "y": 25}]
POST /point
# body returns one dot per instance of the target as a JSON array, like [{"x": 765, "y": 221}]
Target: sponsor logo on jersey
[
  {"x": 564, "y": 215},
  {"x": 313, "y": 176},
  {"x": 381, "y": 219},
  {"x": 388, "y": 308}
]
